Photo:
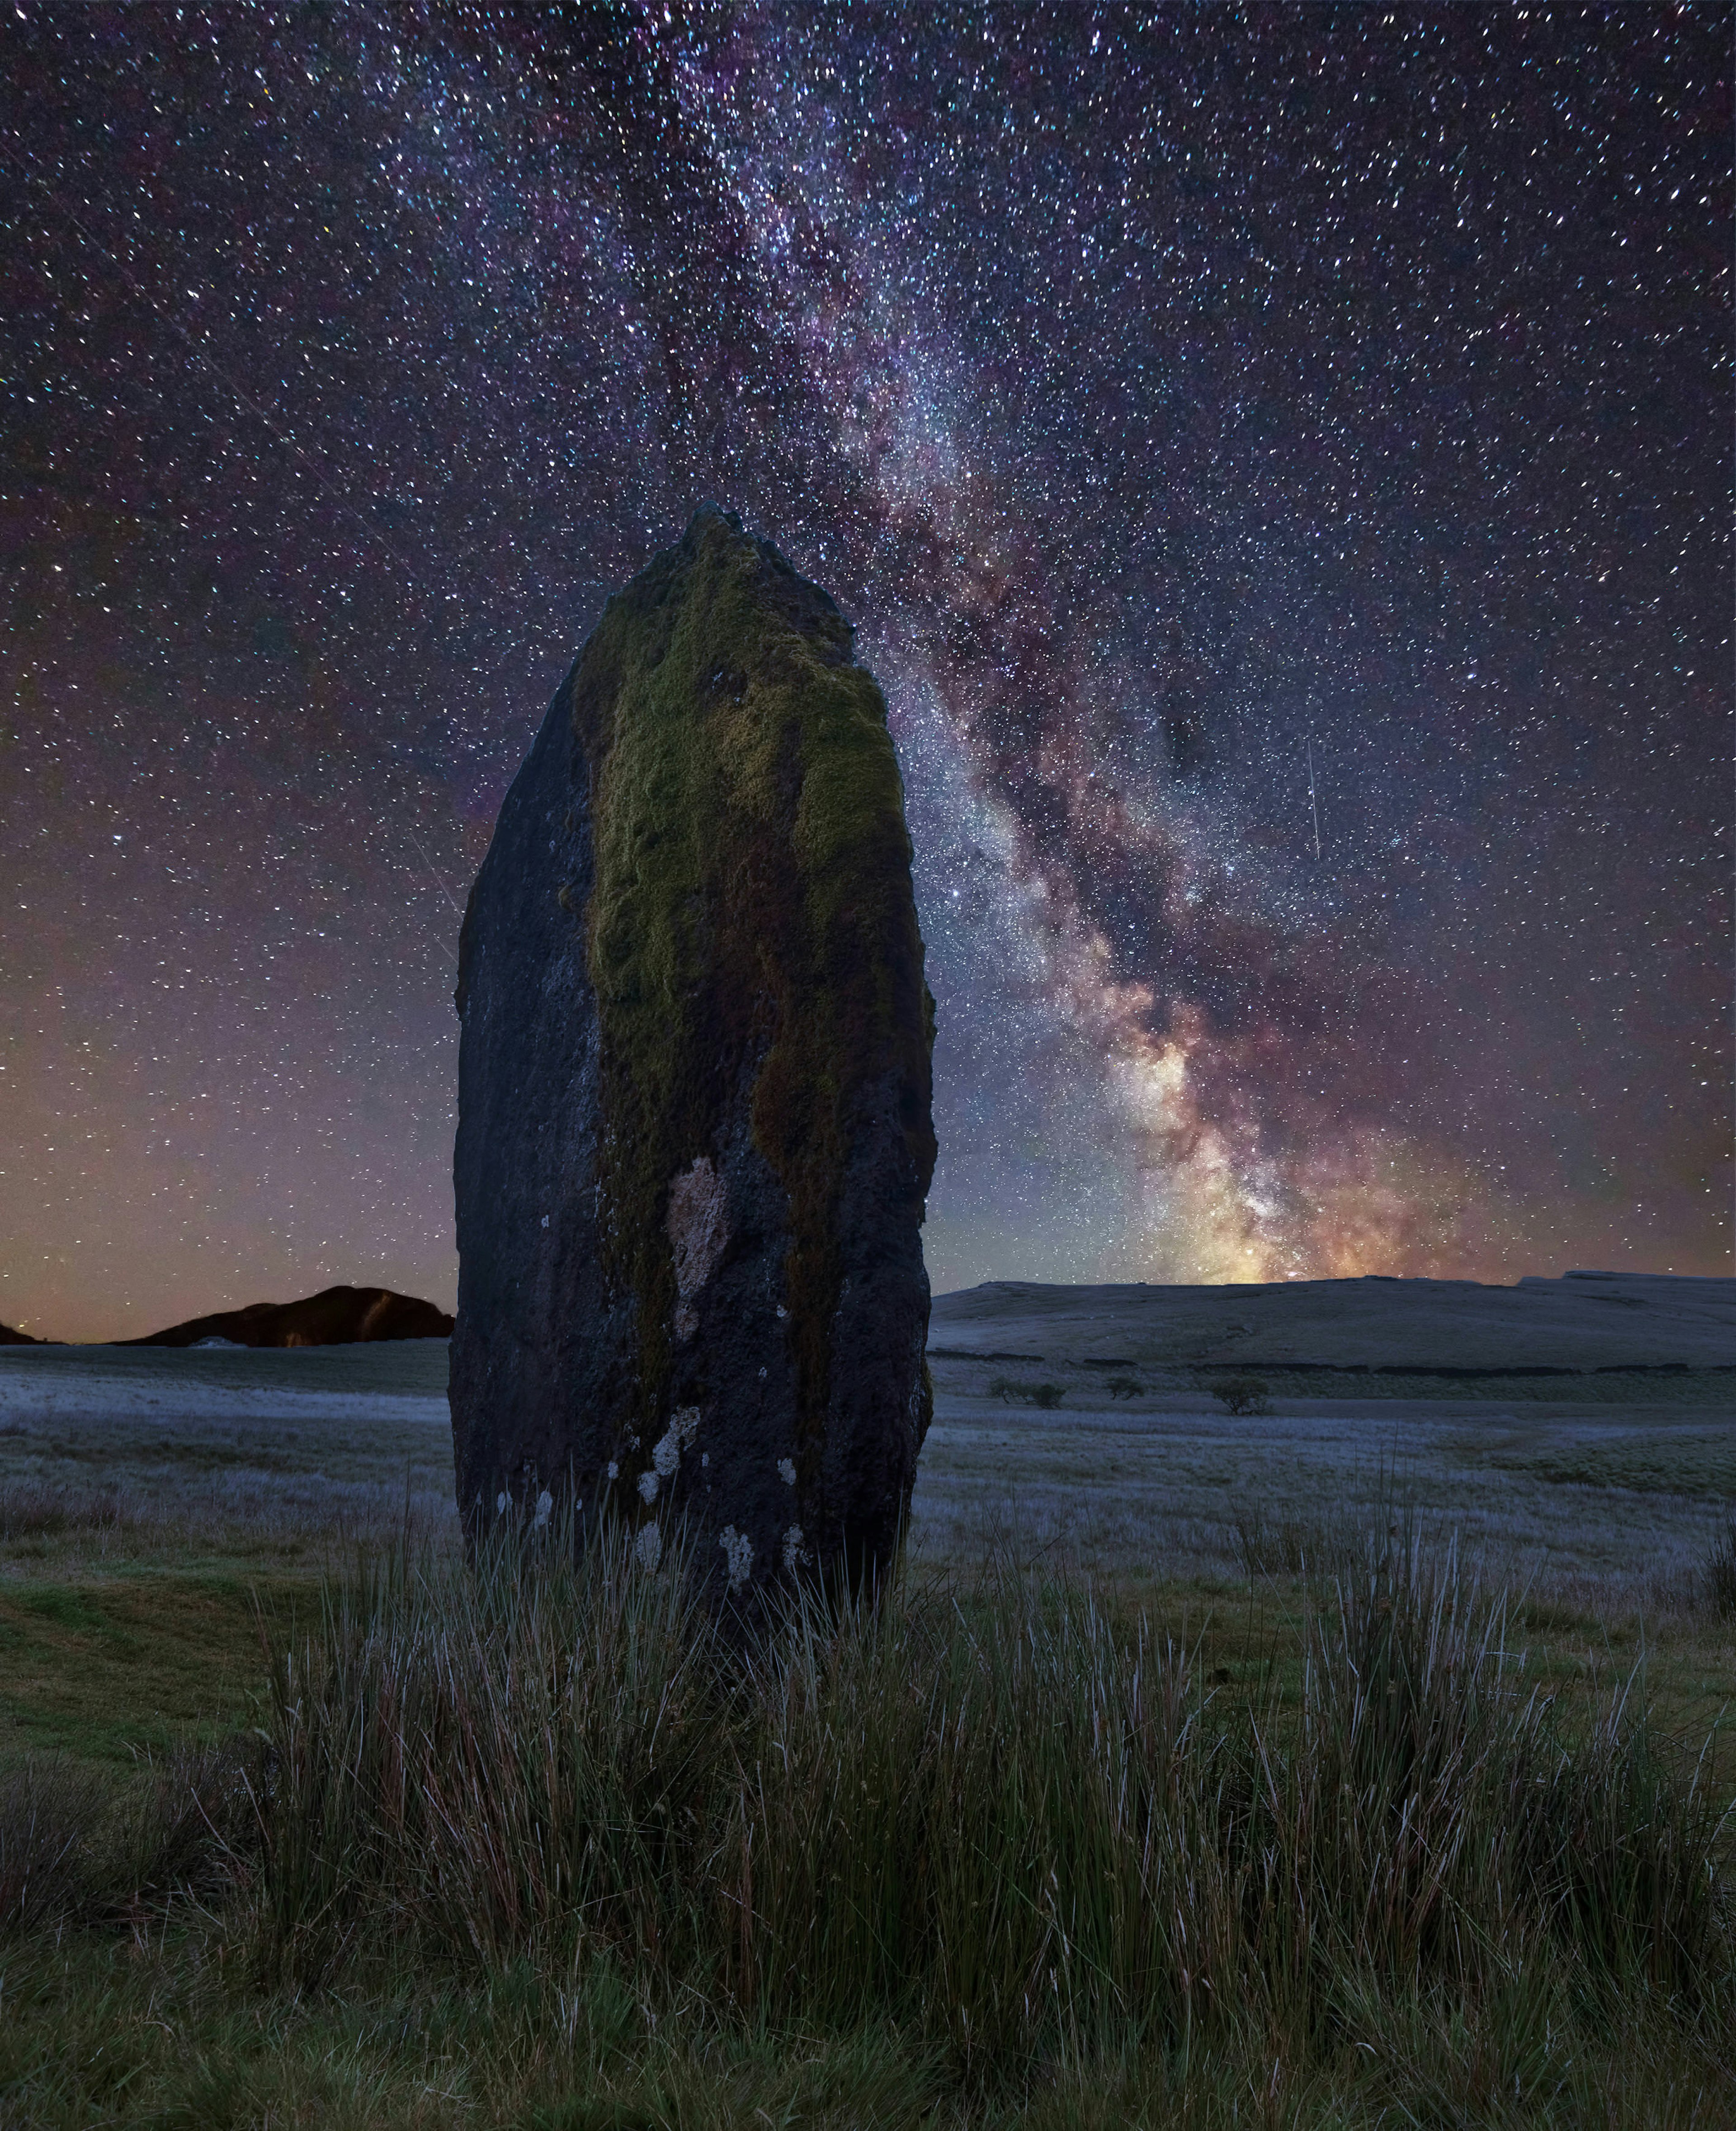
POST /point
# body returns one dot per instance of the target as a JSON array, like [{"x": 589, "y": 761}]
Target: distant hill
[
  {"x": 8, "y": 1338},
  {"x": 1439, "y": 1328},
  {"x": 335, "y": 1317}
]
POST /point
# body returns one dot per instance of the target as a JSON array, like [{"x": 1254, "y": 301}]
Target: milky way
[{"x": 1221, "y": 426}]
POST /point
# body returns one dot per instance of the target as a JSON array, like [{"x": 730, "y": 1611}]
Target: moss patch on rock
[{"x": 751, "y": 933}]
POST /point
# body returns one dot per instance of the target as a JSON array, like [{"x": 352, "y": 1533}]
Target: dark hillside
[{"x": 335, "y": 1317}]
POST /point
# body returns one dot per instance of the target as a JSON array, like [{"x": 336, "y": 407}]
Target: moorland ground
[{"x": 1356, "y": 1760}]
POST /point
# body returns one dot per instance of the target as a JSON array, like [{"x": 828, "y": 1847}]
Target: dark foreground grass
[
  {"x": 1719, "y": 1572},
  {"x": 534, "y": 1845}
]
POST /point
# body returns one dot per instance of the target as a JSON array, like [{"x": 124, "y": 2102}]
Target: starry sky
[{"x": 1277, "y": 460}]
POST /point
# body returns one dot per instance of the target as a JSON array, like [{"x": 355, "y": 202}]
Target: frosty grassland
[{"x": 1601, "y": 1498}]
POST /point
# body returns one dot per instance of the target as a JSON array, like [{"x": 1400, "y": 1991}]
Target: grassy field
[{"x": 1355, "y": 1762}]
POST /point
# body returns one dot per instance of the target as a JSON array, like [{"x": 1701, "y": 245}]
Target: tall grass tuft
[
  {"x": 46, "y": 1810},
  {"x": 1289, "y": 1542},
  {"x": 1439, "y": 1810},
  {"x": 490, "y": 1762},
  {"x": 1719, "y": 1571},
  {"x": 80, "y": 1845},
  {"x": 999, "y": 1814}
]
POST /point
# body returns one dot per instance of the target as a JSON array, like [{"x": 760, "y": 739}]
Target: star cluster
[{"x": 1278, "y": 462}]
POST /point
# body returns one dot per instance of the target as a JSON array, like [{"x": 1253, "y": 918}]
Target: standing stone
[{"x": 694, "y": 1131}]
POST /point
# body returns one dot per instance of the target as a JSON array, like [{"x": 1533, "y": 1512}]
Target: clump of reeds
[
  {"x": 1290, "y": 1539},
  {"x": 83, "y": 1845},
  {"x": 1719, "y": 1571},
  {"x": 47, "y": 1812},
  {"x": 491, "y": 1760},
  {"x": 1000, "y": 1815}
]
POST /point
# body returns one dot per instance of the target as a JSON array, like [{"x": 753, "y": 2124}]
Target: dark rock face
[
  {"x": 8, "y": 1338},
  {"x": 694, "y": 1132},
  {"x": 335, "y": 1317}
]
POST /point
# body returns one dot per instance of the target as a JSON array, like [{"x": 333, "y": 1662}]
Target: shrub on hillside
[
  {"x": 1242, "y": 1395},
  {"x": 1006, "y": 1389}
]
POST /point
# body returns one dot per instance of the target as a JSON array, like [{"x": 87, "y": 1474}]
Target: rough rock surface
[
  {"x": 694, "y": 1133},
  {"x": 335, "y": 1317}
]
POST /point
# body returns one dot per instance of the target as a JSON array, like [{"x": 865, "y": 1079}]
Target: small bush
[
  {"x": 1125, "y": 1387},
  {"x": 1006, "y": 1389},
  {"x": 1242, "y": 1395}
]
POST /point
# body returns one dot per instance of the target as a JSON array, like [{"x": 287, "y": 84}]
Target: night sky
[{"x": 1163, "y": 393}]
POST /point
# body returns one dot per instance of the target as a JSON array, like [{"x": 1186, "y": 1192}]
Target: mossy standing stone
[{"x": 694, "y": 1129}]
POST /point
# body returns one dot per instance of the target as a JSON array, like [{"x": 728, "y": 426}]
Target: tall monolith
[{"x": 694, "y": 1130}]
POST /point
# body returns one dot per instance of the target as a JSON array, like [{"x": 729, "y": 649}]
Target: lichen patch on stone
[
  {"x": 738, "y": 1554},
  {"x": 698, "y": 1228}
]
